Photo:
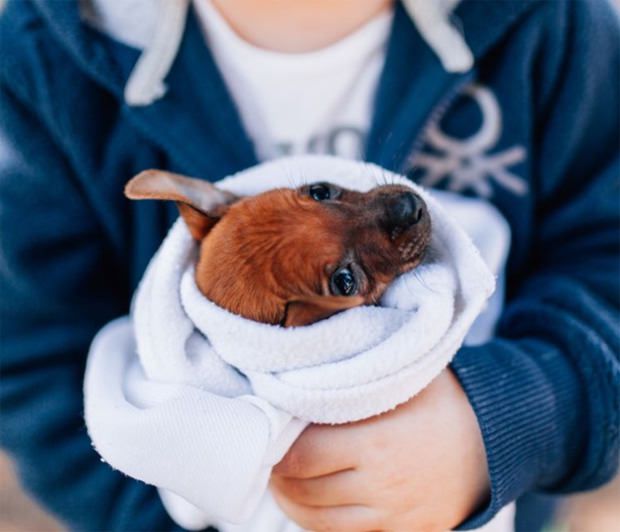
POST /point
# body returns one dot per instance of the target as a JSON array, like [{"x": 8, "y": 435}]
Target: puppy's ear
[
  {"x": 200, "y": 203},
  {"x": 314, "y": 308}
]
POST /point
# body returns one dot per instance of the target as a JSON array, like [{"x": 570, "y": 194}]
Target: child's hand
[{"x": 420, "y": 467}]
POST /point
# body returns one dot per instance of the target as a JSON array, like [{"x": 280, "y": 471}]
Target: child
[{"x": 521, "y": 109}]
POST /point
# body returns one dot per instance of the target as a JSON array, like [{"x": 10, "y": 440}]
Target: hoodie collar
[
  {"x": 156, "y": 28},
  {"x": 144, "y": 24},
  {"x": 198, "y": 105}
]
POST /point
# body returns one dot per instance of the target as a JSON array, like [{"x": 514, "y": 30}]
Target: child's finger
[
  {"x": 319, "y": 451},
  {"x": 341, "y": 518},
  {"x": 337, "y": 489}
]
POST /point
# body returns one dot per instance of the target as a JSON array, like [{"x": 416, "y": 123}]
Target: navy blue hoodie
[{"x": 539, "y": 115}]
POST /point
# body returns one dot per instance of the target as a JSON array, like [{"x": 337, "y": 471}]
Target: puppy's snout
[{"x": 405, "y": 210}]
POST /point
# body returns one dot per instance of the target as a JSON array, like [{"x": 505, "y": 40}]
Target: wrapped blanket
[{"x": 202, "y": 403}]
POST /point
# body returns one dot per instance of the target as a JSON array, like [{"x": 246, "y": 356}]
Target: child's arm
[
  {"x": 59, "y": 283},
  {"x": 546, "y": 390}
]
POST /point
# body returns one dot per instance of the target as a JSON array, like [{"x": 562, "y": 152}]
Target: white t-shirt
[{"x": 290, "y": 104}]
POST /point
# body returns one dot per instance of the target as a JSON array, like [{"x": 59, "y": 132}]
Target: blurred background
[{"x": 597, "y": 511}]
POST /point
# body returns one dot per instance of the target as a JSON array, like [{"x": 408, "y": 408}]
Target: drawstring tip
[
  {"x": 459, "y": 60},
  {"x": 141, "y": 96}
]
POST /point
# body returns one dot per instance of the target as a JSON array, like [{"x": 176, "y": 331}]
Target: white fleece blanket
[{"x": 202, "y": 403}]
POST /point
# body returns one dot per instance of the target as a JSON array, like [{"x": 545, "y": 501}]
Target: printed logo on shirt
[
  {"x": 467, "y": 164},
  {"x": 343, "y": 140}
]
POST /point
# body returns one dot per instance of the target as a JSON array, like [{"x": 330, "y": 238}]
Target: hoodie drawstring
[{"x": 146, "y": 82}]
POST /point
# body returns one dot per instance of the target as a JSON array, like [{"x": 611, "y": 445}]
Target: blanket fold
[{"x": 191, "y": 398}]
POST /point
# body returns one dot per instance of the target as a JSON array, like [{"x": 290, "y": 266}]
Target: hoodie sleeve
[
  {"x": 546, "y": 390},
  {"x": 59, "y": 283}
]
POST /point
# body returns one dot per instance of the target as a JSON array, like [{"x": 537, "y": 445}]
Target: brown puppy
[{"x": 295, "y": 256}]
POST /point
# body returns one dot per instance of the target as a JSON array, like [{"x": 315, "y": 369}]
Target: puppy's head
[{"x": 295, "y": 256}]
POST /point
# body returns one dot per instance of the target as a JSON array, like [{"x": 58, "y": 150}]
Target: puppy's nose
[{"x": 405, "y": 210}]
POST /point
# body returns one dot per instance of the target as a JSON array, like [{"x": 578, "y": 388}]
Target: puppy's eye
[
  {"x": 343, "y": 283},
  {"x": 320, "y": 192}
]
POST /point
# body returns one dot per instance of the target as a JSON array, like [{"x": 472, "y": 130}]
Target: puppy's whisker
[
  {"x": 290, "y": 176},
  {"x": 386, "y": 177},
  {"x": 379, "y": 177},
  {"x": 421, "y": 280}
]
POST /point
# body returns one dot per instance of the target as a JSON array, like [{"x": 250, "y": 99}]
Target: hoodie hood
[{"x": 156, "y": 28}]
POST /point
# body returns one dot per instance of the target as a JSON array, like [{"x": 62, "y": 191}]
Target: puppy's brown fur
[{"x": 294, "y": 256}]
